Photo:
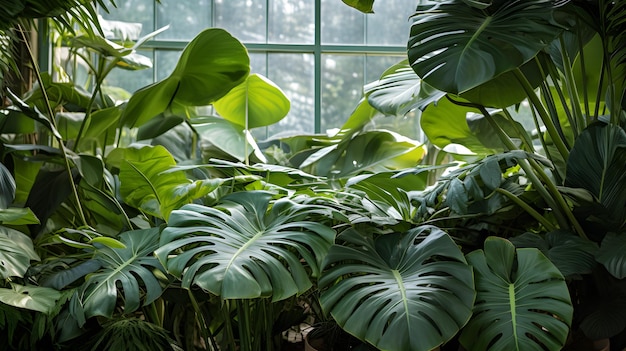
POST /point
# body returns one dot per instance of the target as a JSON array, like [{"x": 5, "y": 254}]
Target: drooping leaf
[
  {"x": 243, "y": 248},
  {"x": 399, "y": 90},
  {"x": 227, "y": 137},
  {"x": 16, "y": 252},
  {"x": 597, "y": 162},
  {"x": 7, "y": 187},
  {"x": 17, "y": 216},
  {"x": 365, "y": 6},
  {"x": 256, "y": 102},
  {"x": 455, "y": 47},
  {"x": 30, "y": 297},
  {"x": 522, "y": 300},
  {"x": 211, "y": 65},
  {"x": 403, "y": 291},
  {"x": 125, "y": 272},
  {"x": 612, "y": 254}
]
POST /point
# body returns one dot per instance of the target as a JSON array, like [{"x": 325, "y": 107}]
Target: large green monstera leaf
[
  {"x": 522, "y": 301},
  {"x": 249, "y": 246},
  {"x": 455, "y": 47},
  {"x": 125, "y": 272},
  {"x": 402, "y": 291}
]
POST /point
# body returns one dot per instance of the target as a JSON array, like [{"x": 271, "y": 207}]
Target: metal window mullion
[{"x": 317, "y": 52}]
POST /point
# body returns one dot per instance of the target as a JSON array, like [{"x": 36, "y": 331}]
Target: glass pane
[
  {"x": 244, "y": 19},
  {"x": 297, "y": 83},
  {"x": 292, "y": 22},
  {"x": 141, "y": 11},
  {"x": 342, "y": 88},
  {"x": 186, "y": 18},
  {"x": 165, "y": 63},
  {"x": 131, "y": 80},
  {"x": 389, "y": 25},
  {"x": 258, "y": 63},
  {"x": 342, "y": 24},
  {"x": 376, "y": 65}
]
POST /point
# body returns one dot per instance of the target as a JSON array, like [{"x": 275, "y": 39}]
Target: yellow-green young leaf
[
  {"x": 257, "y": 102},
  {"x": 109, "y": 242},
  {"x": 17, "y": 216}
]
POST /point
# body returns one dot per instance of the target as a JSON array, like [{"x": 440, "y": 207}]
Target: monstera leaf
[
  {"x": 522, "y": 300},
  {"x": 16, "y": 252},
  {"x": 125, "y": 272},
  {"x": 247, "y": 247},
  {"x": 455, "y": 46},
  {"x": 402, "y": 291}
]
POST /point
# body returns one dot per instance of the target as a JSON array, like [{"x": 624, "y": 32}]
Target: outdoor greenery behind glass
[{"x": 281, "y": 38}]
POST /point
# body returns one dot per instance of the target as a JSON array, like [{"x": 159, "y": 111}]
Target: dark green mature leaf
[
  {"x": 7, "y": 187},
  {"x": 399, "y": 90},
  {"x": 129, "y": 268},
  {"x": 256, "y": 102},
  {"x": 522, "y": 301},
  {"x": 612, "y": 254},
  {"x": 248, "y": 246},
  {"x": 402, "y": 291},
  {"x": 597, "y": 163},
  {"x": 455, "y": 47},
  {"x": 30, "y": 297},
  {"x": 16, "y": 252},
  {"x": 211, "y": 65},
  {"x": 14, "y": 121},
  {"x": 571, "y": 254}
]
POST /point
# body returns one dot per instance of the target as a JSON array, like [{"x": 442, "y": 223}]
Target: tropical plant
[{"x": 473, "y": 64}]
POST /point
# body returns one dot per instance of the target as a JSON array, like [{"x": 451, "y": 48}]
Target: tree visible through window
[{"x": 320, "y": 52}]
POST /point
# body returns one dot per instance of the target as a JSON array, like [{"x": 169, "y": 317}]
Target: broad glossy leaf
[
  {"x": 210, "y": 66},
  {"x": 102, "y": 45},
  {"x": 446, "y": 123},
  {"x": 25, "y": 174},
  {"x": 256, "y": 102},
  {"x": 158, "y": 125},
  {"x": 597, "y": 162},
  {"x": 402, "y": 291},
  {"x": 571, "y": 254},
  {"x": 16, "y": 252},
  {"x": 125, "y": 272},
  {"x": 399, "y": 90},
  {"x": 30, "y": 297},
  {"x": 522, "y": 300},
  {"x": 248, "y": 246},
  {"x": 612, "y": 254},
  {"x": 456, "y": 47},
  {"x": 7, "y": 187},
  {"x": 33, "y": 113},
  {"x": 14, "y": 121},
  {"x": 361, "y": 115},
  {"x": 17, "y": 216},
  {"x": 225, "y": 136},
  {"x": 147, "y": 183}
]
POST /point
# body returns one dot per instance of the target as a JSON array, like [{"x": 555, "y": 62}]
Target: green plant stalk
[
  {"x": 570, "y": 84},
  {"x": 230, "y": 336},
  {"x": 555, "y": 78},
  {"x": 559, "y": 199},
  {"x": 243, "y": 312},
  {"x": 531, "y": 211},
  {"x": 204, "y": 329},
  {"x": 543, "y": 114},
  {"x": 551, "y": 107},
  {"x": 582, "y": 67},
  {"x": 68, "y": 168},
  {"x": 101, "y": 73},
  {"x": 526, "y": 166},
  {"x": 518, "y": 130}
]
